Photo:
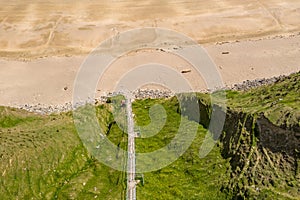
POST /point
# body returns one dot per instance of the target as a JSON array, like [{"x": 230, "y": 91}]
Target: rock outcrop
[{"x": 263, "y": 156}]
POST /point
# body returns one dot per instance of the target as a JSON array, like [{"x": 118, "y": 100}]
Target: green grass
[
  {"x": 187, "y": 178},
  {"x": 12, "y": 117},
  {"x": 42, "y": 157},
  {"x": 277, "y": 101}
]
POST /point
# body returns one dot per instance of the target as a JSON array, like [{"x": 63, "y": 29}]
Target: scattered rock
[
  {"x": 48, "y": 109},
  {"x": 141, "y": 94},
  {"x": 249, "y": 84},
  {"x": 152, "y": 94}
]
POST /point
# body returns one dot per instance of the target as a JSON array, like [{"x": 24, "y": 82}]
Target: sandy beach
[{"x": 44, "y": 43}]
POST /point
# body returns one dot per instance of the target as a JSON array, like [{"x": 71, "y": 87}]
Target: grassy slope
[
  {"x": 41, "y": 157},
  {"x": 189, "y": 177},
  {"x": 280, "y": 101}
]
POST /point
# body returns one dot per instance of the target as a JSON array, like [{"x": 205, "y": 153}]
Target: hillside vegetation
[{"x": 257, "y": 156}]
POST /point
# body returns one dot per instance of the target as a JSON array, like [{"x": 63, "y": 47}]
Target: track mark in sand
[
  {"x": 51, "y": 33},
  {"x": 272, "y": 15},
  {"x": 4, "y": 20}
]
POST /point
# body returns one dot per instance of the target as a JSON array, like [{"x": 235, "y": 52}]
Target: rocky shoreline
[
  {"x": 142, "y": 94},
  {"x": 249, "y": 84},
  {"x": 48, "y": 109}
]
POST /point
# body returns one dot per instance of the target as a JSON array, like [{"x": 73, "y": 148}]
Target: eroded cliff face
[
  {"x": 278, "y": 139},
  {"x": 264, "y": 157}
]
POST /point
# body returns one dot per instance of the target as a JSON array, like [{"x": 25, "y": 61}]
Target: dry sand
[{"x": 43, "y": 43}]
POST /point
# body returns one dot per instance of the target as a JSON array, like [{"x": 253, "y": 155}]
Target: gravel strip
[{"x": 142, "y": 94}]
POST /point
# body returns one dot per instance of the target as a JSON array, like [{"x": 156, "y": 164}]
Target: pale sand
[
  {"x": 52, "y": 31},
  {"x": 43, "y": 80}
]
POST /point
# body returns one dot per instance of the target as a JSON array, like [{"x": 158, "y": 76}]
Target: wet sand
[
  {"x": 32, "y": 29},
  {"x": 43, "y": 43}
]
